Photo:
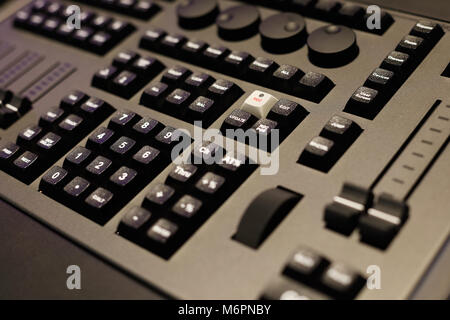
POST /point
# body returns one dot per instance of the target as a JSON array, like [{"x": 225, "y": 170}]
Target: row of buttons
[
  {"x": 142, "y": 9},
  {"x": 128, "y": 73},
  {"x": 318, "y": 275},
  {"x": 348, "y": 14},
  {"x": 367, "y": 101},
  {"x": 117, "y": 162},
  {"x": 98, "y": 33},
  {"x": 12, "y": 107},
  {"x": 192, "y": 192},
  {"x": 59, "y": 129},
  {"x": 336, "y": 137},
  {"x": 264, "y": 114},
  {"x": 262, "y": 71},
  {"x": 191, "y": 96},
  {"x": 378, "y": 221}
]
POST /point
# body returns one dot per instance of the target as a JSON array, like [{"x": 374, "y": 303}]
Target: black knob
[
  {"x": 196, "y": 14},
  {"x": 332, "y": 46},
  {"x": 283, "y": 32},
  {"x": 238, "y": 23}
]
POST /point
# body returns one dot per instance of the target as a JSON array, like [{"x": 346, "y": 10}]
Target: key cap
[
  {"x": 261, "y": 70},
  {"x": 72, "y": 125},
  {"x": 122, "y": 146},
  {"x": 95, "y": 109},
  {"x": 364, "y": 102},
  {"x": 224, "y": 92},
  {"x": 154, "y": 95},
  {"x": 187, "y": 206},
  {"x": 341, "y": 130},
  {"x": 50, "y": 145},
  {"x": 125, "y": 84},
  {"x": 151, "y": 39},
  {"x": 287, "y": 114},
  {"x": 305, "y": 264},
  {"x": 263, "y": 215},
  {"x": 398, "y": 62},
  {"x": 192, "y": 49},
  {"x": 284, "y": 77},
  {"x": 98, "y": 203},
  {"x": 343, "y": 213},
  {"x": 259, "y": 103},
  {"x": 181, "y": 175},
  {"x": 431, "y": 31},
  {"x": 146, "y": 128},
  {"x": 382, "y": 80},
  {"x": 414, "y": 46},
  {"x": 175, "y": 75},
  {"x": 77, "y": 159},
  {"x": 50, "y": 117},
  {"x": 313, "y": 86},
  {"x": 123, "y": 179},
  {"x": 25, "y": 166},
  {"x": 28, "y": 136},
  {"x": 36, "y": 20},
  {"x": 125, "y": 58},
  {"x": 103, "y": 78},
  {"x": 233, "y": 165},
  {"x": 119, "y": 29},
  {"x": 100, "y": 21},
  {"x": 50, "y": 26},
  {"x": 283, "y": 289},
  {"x": 206, "y": 153},
  {"x": 351, "y": 15},
  {"x": 168, "y": 137},
  {"x": 147, "y": 67},
  {"x": 52, "y": 182},
  {"x": 238, "y": 119},
  {"x": 200, "y": 109},
  {"x": 81, "y": 36},
  {"x": 144, "y": 9},
  {"x": 213, "y": 56},
  {"x": 7, "y": 152},
  {"x": 319, "y": 154},
  {"x": 176, "y": 102},
  {"x": 210, "y": 184},
  {"x": 159, "y": 195},
  {"x": 73, "y": 100},
  {"x": 263, "y": 129},
  {"x": 237, "y": 62},
  {"x": 163, "y": 231},
  {"x": 383, "y": 221},
  {"x": 145, "y": 158},
  {"x": 100, "y": 139},
  {"x": 342, "y": 281},
  {"x": 133, "y": 221},
  {"x": 101, "y": 42},
  {"x": 198, "y": 82},
  {"x": 123, "y": 120},
  {"x": 171, "y": 44},
  {"x": 99, "y": 166}
]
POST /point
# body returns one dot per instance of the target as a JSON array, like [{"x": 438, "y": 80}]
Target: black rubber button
[
  {"x": 196, "y": 14},
  {"x": 238, "y": 23},
  {"x": 283, "y": 32},
  {"x": 332, "y": 46}
]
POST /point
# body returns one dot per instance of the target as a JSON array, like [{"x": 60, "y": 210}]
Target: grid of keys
[
  {"x": 98, "y": 179},
  {"x": 59, "y": 129},
  {"x": 191, "y": 96},
  {"x": 97, "y": 33},
  {"x": 260, "y": 116},
  {"x": 172, "y": 211},
  {"x": 128, "y": 73},
  {"x": 265, "y": 72},
  {"x": 142, "y": 9}
]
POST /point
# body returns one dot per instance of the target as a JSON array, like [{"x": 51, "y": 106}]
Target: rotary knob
[
  {"x": 238, "y": 23},
  {"x": 332, "y": 46},
  {"x": 283, "y": 32},
  {"x": 196, "y": 14}
]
